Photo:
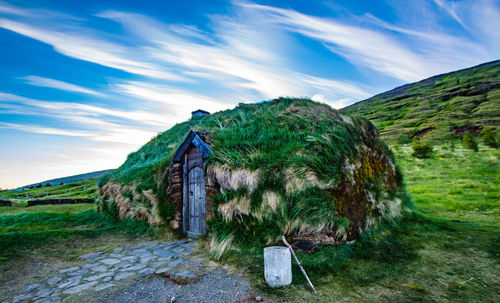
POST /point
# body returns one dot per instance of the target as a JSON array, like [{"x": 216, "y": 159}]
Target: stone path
[{"x": 102, "y": 270}]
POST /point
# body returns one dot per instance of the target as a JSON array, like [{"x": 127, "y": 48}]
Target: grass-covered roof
[{"x": 286, "y": 166}]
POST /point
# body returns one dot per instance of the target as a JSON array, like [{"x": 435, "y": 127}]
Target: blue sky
[{"x": 84, "y": 83}]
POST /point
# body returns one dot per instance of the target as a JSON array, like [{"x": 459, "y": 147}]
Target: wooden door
[{"x": 197, "y": 203}]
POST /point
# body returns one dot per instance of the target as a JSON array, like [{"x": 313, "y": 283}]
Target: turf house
[{"x": 257, "y": 172}]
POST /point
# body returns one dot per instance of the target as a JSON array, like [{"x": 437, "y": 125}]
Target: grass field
[
  {"x": 456, "y": 183},
  {"x": 447, "y": 251},
  {"x": 36, "y": 241},
  {"x": 74, "y": 190}
]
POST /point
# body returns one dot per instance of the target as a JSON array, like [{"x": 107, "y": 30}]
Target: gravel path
[
  {"x": 215, "y": 286},
  {"x": 149, "y": 268}
]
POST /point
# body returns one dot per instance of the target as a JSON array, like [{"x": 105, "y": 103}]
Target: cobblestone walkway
[{"x": 101, "y": 270}]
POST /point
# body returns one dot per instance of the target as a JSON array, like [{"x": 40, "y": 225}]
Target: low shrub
[
  {"x": 469, "y": 142},
  {"x": 421, "y": 149},
  {"x": 110, "y": 210},
  {"x": 489, "y": 138},
  {"x": 165, "y": 207}
]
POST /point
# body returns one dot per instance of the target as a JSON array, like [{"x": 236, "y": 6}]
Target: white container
[{"x": 277, "y": 266}]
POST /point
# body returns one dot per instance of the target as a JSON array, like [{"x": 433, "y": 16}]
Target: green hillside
[
  {"x": 438, "y": 108},
  {"x": 75, "y": 190},
  {"x": 88, "y": 176}
]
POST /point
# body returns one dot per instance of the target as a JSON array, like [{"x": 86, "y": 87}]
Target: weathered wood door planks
[
  {"x": 196, "y": 201},
  {"x": 195, "y": 194}
]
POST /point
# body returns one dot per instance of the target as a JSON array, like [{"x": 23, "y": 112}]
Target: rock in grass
[
  {"x": 134, "y": 267},
  {"x": 187, "y": 275},
  {"x": 146, "y": 271},
  {"x": 124, "y": 275},
  {"x": 90, "y": 265},
  {"x": 158, "y": 264},
  {"x": 130, "y": 259},
  {"x": 156, "y": 246},
  {"x": 146, "y": 260},
  {"x": 180, "y": 242},
  {"x": 45, "y": 292},
  {"x": 72, "y": 281},
  {"x": 21, "y": 298},
  {"x": 174, "y": 263},
  {"x": 69, "y": 269},
  {"x": 110, "y": 261},
  {"x": 32, "y": 287},
  {"x": 66, "y": 284},
  {"x": 162, "y": 270},
  {"x": 178, "y": 250},
  {"x": 122, "y": 265},
  {"x": 103, "y": 286},
  {"x": 78, "y": 273},
  {"x": 100, "y": 268},
  {"x": 92, "y": 255},
  {"x": 165, "y": 253},
  {"x": 54, "y": 280},
  {"x": 97, "y": 277},
  {"x": 141, "y": 253},
  {"x": 164, "y": 259},
  {"x": 79, "y": 288}
]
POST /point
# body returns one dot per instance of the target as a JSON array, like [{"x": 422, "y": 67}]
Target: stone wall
[
  {"x": 211, "y": 190},
  {"x": 174, "y": 193},
  {"x": 5, "y": 203},
  {"x": 59, "y": 201}
]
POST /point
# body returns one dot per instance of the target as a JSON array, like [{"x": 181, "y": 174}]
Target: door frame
[{"x": 185, "y": 199}]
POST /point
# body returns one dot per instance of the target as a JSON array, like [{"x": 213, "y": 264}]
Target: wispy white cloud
[
  {"x": 52, "y": 83},
  {"x": 75, "y": 44},
  {"x": 89, "y": 121},
  {"x": 232, "y": 54},
  {"x": 237, "y": 55},
  {"x": 185, "y": 53},
  {"x": 45, "y": 130},
  {"x": 107, "y": 132},
  {"x": 12, "y": 10},
  {"x": 412, "y": 54},
  {"x": 30, "y": 12},
  {"x": 485, "y": 16},
  {"x": 453, "y": 50},
  {"x": 178, "y": 102},
  {"x": 359, "y": 45},
  {"x": 449, "y": 7},
  {"x": 72, "y": 109}
]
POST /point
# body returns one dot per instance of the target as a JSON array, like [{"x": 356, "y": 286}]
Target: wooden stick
[{"x": 301, "y": 268}]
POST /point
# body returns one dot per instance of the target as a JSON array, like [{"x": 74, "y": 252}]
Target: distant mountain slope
[
  {"x": 87, "y": 176},
  {"x": 437, "y": 108}
]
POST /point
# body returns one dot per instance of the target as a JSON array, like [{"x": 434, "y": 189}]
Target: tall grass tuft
[{"x": 469, "y": 142}]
